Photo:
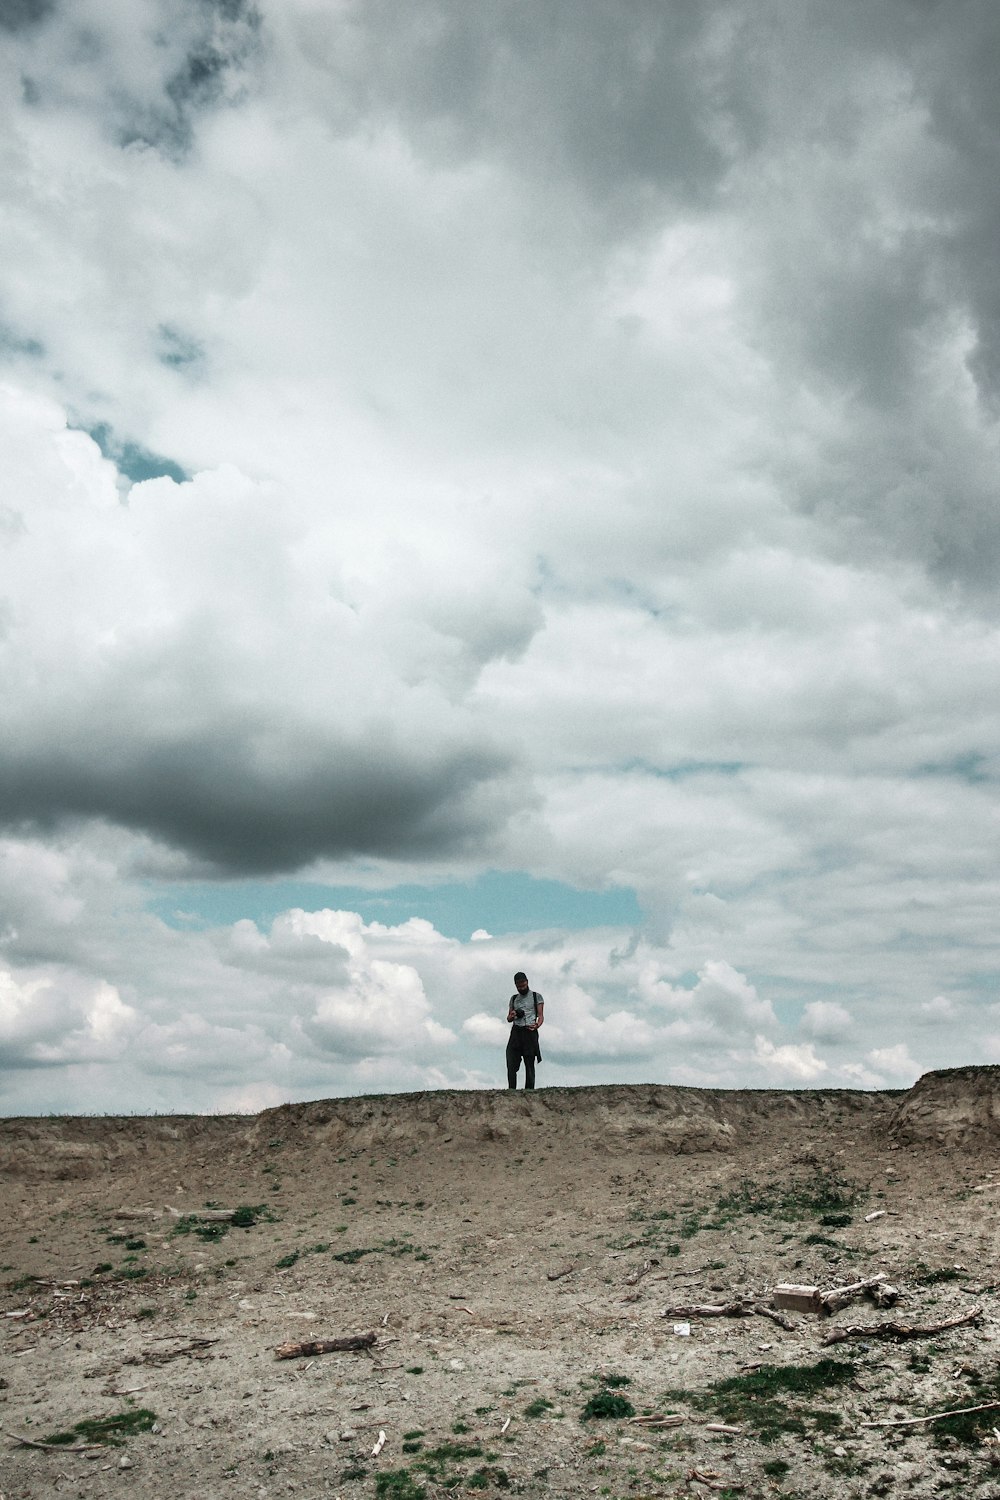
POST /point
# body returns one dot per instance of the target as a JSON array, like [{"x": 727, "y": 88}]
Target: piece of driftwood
[
  {"x": 879, "y": 1213},
  {"x": 204, "y": 1215},
  {"x": 640, "y": 1271},
  {"x": 668, "y": 1419},
  {"x": 899, "y": 1330},
  {"x": 875, "y": 1287},
  {"x": 303, "y": 1349},
  {"x": 562, "y": 1271},
  {"x": 741, "y": 1308},
  {"x": 710, "y": 1478},
  {"x": 379, "y": 1445},
  {"x": 958, "y": 1411},
  {"x": 27, "y": 1442},
  {"x": 775, "y": 1317},
  {"x": 723, "y": 1427},
  {"x": 195, "y": 1349}
]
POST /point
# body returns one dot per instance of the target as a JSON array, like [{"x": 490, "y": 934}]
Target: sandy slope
[{"x": 512, "y": 1254}]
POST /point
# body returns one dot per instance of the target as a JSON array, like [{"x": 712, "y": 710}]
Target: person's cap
[{"x": 519, "y": 975}]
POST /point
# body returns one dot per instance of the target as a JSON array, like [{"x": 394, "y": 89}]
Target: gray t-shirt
[{"x": 527, "y": 1003}]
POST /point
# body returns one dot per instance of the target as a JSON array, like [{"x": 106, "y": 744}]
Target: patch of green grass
[
  {"x": 287, "y": 1260},
  {"x": 773, "y": 1400},
  {"x": 538, "y": 1407},
  {"x": 822, "y": 1194},
  {"x": 776, "y": 1468},
  {"x": 822, "y": 1239},
  {"x": 615, "y": 1382},
  {"x": 435, "y": 1462},
  {"x": 351, "y": 1257},
  {"x": 482, "y": 1478},
  {"x": 931, "y": 1278},
  {"x": 606, "y": 1404},
  {"x": 248, "y": 1214},
  {"x": 397, "y": 1484},
  {"x": 836, "y": 1221},
  {"x": 414, "y": 1369},
  {"x": 973, "y": 1427},
  {"x": 110, "y": 1430},
  {"x": 191, "y": 1224}
]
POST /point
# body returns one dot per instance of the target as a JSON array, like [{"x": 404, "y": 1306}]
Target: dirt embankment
[{"x": 634, "y": 1118}]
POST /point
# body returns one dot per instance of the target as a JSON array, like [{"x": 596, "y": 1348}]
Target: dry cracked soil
[{"x": 525, "y": 1268}]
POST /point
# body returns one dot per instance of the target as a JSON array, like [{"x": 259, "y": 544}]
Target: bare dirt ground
[{"x": 520, "y": 1260}]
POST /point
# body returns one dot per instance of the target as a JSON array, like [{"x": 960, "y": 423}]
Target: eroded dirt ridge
[{"x": 571, "y": 1293}]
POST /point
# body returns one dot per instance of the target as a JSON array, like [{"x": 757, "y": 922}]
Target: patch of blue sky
[
  {"x": 973, "y": 767},
  {"x": 497, "y": 902},
  {"x": 685, "y": 768},
  {"x": 132, "y": 460}
]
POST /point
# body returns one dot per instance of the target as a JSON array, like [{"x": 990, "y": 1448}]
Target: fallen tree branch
[
  {"x": 959, "y": 1411},
  {"x": 737, "y": 1309},
  {"x": 195, "y": 1349},
  {"x": 308, "y": 1347},
  {"x": 27, "y": 1442},
  {"x": 876, "y": 1287},
  {"x": 710, "y": 1478},
  {"x": 899, "y": 1330},
  {"x": 204, "y": 1215}
]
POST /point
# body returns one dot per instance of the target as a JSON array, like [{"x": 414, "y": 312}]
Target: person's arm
[
  {"x": 510, "y": 1008},
  {"x": 540, "y": 1016}
]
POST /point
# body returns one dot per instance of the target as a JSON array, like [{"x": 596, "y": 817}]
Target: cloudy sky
[{"x": 492, "y": 484}]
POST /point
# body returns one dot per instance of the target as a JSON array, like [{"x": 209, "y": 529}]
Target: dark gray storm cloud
[
  {"x": 148, "y": 81},
  {"x": 17, "y": 15},
  {"x": 240, "y": 813},
  {"x": 625, "y": 100},
  {"x": 855, "y": 152}
]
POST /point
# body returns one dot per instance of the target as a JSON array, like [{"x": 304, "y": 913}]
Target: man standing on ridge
[{"x": 526, "y": 1011}]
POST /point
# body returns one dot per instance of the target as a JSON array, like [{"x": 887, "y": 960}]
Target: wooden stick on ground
[
  {"x": 737, "y": 1309},
  {"x": 309, "y": 1347},
  {"x": 960, "y": 1411},
  {"x": 899, "y": 1330},
  {"x": 27, "y": 1442},
  {"x": 840, "y": 1296}
]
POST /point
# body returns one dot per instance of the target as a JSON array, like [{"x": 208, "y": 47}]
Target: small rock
[
  {"x": 456, "y": 1364},
  {"x": 124, "y": 1463},
  {"x": 347, "y": 1434}
]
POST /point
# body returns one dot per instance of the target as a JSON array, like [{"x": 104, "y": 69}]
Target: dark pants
[{"x": 522, "y": 1045}]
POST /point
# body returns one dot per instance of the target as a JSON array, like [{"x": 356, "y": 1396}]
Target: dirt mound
[
  {"x": 949, "y": 1107},
  {"x": 608, "y": 1118},
  {"x": 68, "y": 1148},
  {"x": 612, "y": 1118}
]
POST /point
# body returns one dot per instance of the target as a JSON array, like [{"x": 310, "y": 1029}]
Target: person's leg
[
  {"x": 529, "y": 1059},
  {"x": 513, "y": 1057}
]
